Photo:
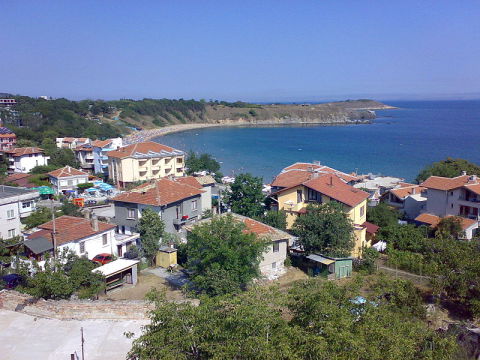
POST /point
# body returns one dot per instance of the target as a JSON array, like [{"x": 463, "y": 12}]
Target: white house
[
  {"x": 84, "y": 237},
  {"x": 24, "y": 159},
  {"x": 15, "y": 203},
  {"x": 453, "y": 196},
  {"x": 71, "y": 142},
  {"x": 469, "y": 226},
  {"x": 207, "y": 182},
  {"x": 84, "y": 155},
  {"x": 66, "y": 179},
  {"x": 410, "y": 199}
]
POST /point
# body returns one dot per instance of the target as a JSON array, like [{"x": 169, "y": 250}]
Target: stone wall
[{"x": 74, "y": 309}]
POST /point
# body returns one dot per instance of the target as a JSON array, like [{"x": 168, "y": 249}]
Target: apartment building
[
  {"x": 177, "y": 201},
  {"x": 144, "y": 161},
  {"x": 23, "y": 160},
  {"x": 8, "y": 139},
  {"x": 84, "y": 156},
  {"x": 100, "y": 151},
  {"x": 301, "y": 184},
  {"x": 15, "y": 203},
  {"x": 409, "y": 199}
]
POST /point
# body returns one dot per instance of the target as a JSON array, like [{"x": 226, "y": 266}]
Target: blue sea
[{"x": 399, "y": 142}]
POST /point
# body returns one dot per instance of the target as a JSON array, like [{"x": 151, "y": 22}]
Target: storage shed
[
  {"x": 119, "y": 272},
  {"x": 329, "y": 267},
  {"x": 166, "y": 256}
]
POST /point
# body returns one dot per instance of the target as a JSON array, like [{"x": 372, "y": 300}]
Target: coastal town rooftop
[{"x": 145, "y": 150}]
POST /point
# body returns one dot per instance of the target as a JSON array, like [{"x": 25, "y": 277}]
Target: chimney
[
  {"x": 94, "y": 223},
  {"x": 414, "y": 191},
  {"x": 315, "y": 175},
  {"x": 87, "y": 214},
  {"x": 331, "y": 180}
]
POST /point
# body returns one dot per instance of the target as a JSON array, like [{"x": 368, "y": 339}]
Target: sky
[{"x": 241, "y": 50}]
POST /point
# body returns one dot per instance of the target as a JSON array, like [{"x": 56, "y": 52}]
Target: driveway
[
  {"x": 27, "y": 337},
  {"x": 176, "y": 278}
]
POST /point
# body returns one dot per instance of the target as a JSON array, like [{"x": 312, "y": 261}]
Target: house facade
[
  {"x": 177, "y": 202},
  {"x": 15, "y": 203},
  {"x": 144, "y": 161},
  {"x": 409, "y": 199},
  {"x": 71, "y": 142},
  {"x": 66, "y": 179},
  {"x": 273, "y": 259},
  {"x": 453, "y": 196},
  {"x": 100, "y": 151},
  {"x": 84, "y": 156},
  {"x": 294, "y": 190},
  {"x": 469, "y": 226},
  {"x": 8, "y": 139},
  {"x": 23, "y": 160},
  {"x": 83, "y": 237}
]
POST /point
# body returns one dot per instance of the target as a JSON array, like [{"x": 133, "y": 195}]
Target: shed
[
  {"x": 329, "y": 267},
  {"x": 166, "y": 256},
  {"x": 119, "y": 272}
]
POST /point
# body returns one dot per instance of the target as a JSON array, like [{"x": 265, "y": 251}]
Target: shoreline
[{"x": 149, "y": 134}]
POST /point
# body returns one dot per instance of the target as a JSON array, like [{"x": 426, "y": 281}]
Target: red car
[{"x": 102, "y": 258}]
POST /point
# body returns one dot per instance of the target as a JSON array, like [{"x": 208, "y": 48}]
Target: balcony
[
  {"x": 180, "y": 221},
  {"x": 125, "y": 238}
]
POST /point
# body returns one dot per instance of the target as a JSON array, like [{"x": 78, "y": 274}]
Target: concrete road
[{"x": 26, "y": 337}]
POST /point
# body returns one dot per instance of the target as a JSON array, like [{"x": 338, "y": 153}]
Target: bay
[{"x": 398, "y": 143}]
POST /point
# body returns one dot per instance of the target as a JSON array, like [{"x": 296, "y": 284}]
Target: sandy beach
[{"x": 145, "y": 135}]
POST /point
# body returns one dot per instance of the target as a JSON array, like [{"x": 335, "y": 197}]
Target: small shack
[
  {"x": 118, "y": 273},
  {"x": 166, "y": 256},
  {"x": 329, "y": 267}
]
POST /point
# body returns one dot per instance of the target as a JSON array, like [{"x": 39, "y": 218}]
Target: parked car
[
  {"x": 11, "y": 281},
  {"x": 103, "y": 258},
  {"x": 91, "y": 202}
]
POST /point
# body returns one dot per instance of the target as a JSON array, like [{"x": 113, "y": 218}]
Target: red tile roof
[
  {"x": 433, "y": 220},
  {"x": 475, "y": 188},
  {"x": 159, "y": 192},
  {"x": 443, "y": 183},
  {"x": 142, "y": 148},
  {"x": 20, "y": 179},
  {"x": 371, "y": 228},
  {"x": 403, "y": 192},
  {"x": 84, "y": 147},
  {"x": 190, "y": 180},
  {"x": 101, "y": 143},
  {"x": 70, "y": 228},
  {"x": 66, "y": 172},
  {"x": 25, "y": 151}
]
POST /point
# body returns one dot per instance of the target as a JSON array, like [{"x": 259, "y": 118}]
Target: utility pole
[
  {"x": 54, "y": 237},
  {"x": 83, "y": 341}
]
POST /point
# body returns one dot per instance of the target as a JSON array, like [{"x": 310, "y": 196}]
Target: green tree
[
  {"x": 450, "y": 227},
  {"x": 325, "y": 229},
  {"x": 85, "y": 282},
  {"x": 245, "y": 196},
  {"x": 38, "y": 217},
  {"x": 404, "y": 237},
  {"x": 276, "y": 219},
  {"x": 62, "y": 157},
  {"x": 202, "y": 162},
  {"x": 151, "y": 229},
  {"x": 382, "y": 215},
  {"x": 314, "y": 320},
  {"x": 25, "y": 143},
  {"x": 448, "y": 168},
  {"x": 223, "y": 257},
  {"x": 70, "y": 209}
]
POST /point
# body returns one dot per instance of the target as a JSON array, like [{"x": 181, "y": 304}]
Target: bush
[{"x": 132, "y": 253}]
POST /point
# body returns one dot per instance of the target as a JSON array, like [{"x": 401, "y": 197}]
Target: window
[
  {"x": 451, "y": 193},
  {"x": 194, "y": 205},
  {"x": 70, "y": 182},
  {"x": 82, "y": 247},
  {"x": 10, "y": 214},
  {"x": 26, "y": 205},
  {"x": 274, "y": 265},
  {"x": 451, "y": 205},
  {"x": 11, "y": 233},
  {"x": 104, "y": 239},
  {"x": 276, "y": 247},
  {"x": 179, "y": 160},
  {"x": 131, "y": 214},
  {"x": 362, "y": 211},
  {"x": 299, "y": 196},
  {"x": 314, "y": 196}
]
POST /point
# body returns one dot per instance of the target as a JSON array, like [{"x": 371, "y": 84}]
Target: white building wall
[
  {"x": 206, "y": 198},
  {"x": 9, "y": 220},
  {"x": 414, "y": 207},
  {"x": 93, "y": 245},
  {"x": 272, "y": 264},
  {"x": 25, "y": 163}
]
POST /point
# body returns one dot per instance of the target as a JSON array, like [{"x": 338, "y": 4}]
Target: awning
[
  {"x": 371, "y": 228},
  {"x": 115, "y": 267},
  {"x": 44, "y": 190},
  {"x": 320, "y": 259},
  {"x": 39, "y": 245}
]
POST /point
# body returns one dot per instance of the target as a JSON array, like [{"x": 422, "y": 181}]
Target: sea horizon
[{"x": 399, "y": 142}]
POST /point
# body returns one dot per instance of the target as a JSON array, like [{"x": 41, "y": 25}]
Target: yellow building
[
  {"x": 299, "y": 185},
  {"x": 144, "y": 161}
]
